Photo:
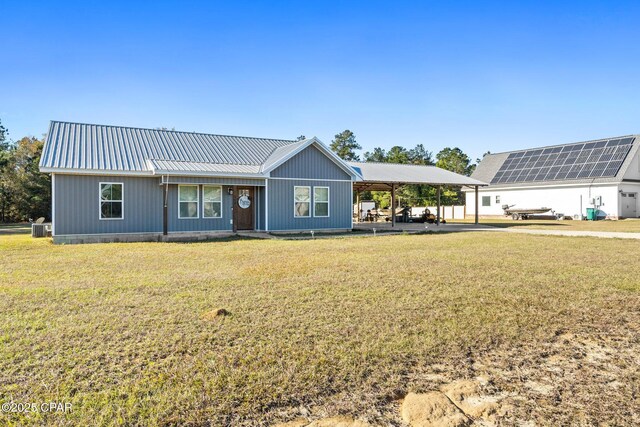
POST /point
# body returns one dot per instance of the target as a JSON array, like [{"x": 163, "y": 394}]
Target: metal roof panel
[
  {"x": 411, "y": 174},
  {"x": 117, "y": 148}
]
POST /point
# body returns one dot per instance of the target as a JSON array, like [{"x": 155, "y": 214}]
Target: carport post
[
  {"x": 393, "y": 205},
  {"x": 476, "y": 211},
  {"x": 438, "y": 208},
  {"x": 358, "y": 214}
]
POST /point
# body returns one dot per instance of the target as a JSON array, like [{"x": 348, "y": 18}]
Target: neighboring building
[
  {"x": 121, "y": 183},
  {"x": 602, "y": 174}
]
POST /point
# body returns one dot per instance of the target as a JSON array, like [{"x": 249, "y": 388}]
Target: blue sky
[{"x": 477, "y": 75}]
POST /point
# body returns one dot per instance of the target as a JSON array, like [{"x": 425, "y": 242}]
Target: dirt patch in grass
[
  {"x": 586, "y": 378},
  {"x": 572, "y": 379},
  {"x": 129, "y": 333}
]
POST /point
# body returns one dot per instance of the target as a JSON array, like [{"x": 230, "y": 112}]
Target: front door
[
  {"x": 629, "y": 205},
  {"x": 244, "y": 206}
]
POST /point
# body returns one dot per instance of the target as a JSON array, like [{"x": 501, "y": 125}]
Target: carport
[{"x": 391, "y": 176}]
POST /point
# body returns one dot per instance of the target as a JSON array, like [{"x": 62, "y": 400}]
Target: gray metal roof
[
  {"x": 491, "y": 163},
  {"x": 282, "y": 153},
  {"x": 173, "y": 167},
  {"x": 78, "y": 146},
  {"x": 389, "y": 173},
  {"x": 488, "y": 167}
]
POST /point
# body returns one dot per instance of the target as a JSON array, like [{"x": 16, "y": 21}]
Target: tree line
[
  {"x": 453, "y": 159},
  {"x": 25, "y": 192}
]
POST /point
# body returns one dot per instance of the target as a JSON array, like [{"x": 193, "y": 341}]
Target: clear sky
[{"x": 478, "y": 75}]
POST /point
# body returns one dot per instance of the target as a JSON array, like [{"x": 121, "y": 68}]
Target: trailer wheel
[{"x": 515, "y": 216}]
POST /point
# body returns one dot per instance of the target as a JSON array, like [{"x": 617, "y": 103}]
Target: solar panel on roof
[{"x": 596, "y": 159}]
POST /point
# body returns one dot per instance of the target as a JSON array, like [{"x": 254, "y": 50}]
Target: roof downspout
[
  {"x": 165, "y": 208},
  {"x": 53, "y": 205},
  {"x": 266, "y": 204}
]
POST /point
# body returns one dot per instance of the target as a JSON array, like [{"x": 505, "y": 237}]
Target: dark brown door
[{"x": 244, "y": 206}]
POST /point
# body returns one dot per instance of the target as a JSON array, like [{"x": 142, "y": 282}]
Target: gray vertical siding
[
  {"x": 310, "y": 163},
  {"x": 281, "y": 206},
  {"x": 77, "y": 206},
  {"x": 311, "y": 167},
  {"x": 77, "y": 200}
]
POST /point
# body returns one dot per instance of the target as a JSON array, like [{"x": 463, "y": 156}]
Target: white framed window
[
  {"x": 486, "y": 200},
  {"x": 211, "y": 201},
  {"x": 188, "y": 201},
  {"x": 321, "y": 201},
  {"x": 111, "y": 200},
  {"x": 497, "y": 199},
  {"x": 301, "y": 202}
]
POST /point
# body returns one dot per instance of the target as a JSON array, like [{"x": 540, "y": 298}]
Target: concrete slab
[{"x": 418, "y": 227}]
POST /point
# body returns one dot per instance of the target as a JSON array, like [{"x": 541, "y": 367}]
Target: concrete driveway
[{"x": 457, "y": 227}]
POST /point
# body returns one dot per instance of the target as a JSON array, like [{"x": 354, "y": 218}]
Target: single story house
[
  {"x": 602, "y": 174},
  {"x": 113, "y": 183}
]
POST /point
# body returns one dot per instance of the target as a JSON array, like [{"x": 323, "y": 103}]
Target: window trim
[
  {"x": 328, "y": 202},
  {"x": 197, "y": 201},
  {"x": 221, "y": 201},
  {"x": 295, "y": 215},
  {"x": 100, "y": 201}
]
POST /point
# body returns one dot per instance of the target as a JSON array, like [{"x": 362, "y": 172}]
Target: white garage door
[{"x": 629, "y": 205}]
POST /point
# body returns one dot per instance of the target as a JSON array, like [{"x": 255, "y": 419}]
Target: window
[
  {"x": 486, "y": 200},
  {"x": 321, "y": 201},
  {"x": 188, "y": 201},
  {"x": 211, "y": 201},
  {"x": 111, "y": 200},
  {"x": 497, "y": 199},
  {"x": 301, "y": 202}
]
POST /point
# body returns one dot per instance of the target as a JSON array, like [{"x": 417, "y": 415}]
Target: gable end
[{"x": 310, "y": 163}]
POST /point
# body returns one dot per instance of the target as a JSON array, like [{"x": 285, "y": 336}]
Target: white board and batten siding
[{"x": 567, "y": 200}]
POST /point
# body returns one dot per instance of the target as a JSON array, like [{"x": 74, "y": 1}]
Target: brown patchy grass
[
  {"x": 131, "y": 335},
  {"x": 620, "y": 226}
]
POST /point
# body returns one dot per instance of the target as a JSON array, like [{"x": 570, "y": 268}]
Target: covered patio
[{"x": 390, "y": 177}]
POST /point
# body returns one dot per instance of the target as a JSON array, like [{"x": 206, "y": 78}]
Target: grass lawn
[
  {"x": 621, "y": 226},
  {"x": 128, "y": 333}
]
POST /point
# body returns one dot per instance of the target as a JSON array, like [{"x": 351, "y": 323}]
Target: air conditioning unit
[{"x": 40, "y": 230}]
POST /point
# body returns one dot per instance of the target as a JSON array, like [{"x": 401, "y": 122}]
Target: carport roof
[{"x": 380, "y": 176}]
